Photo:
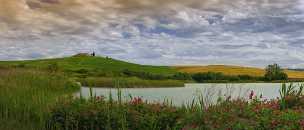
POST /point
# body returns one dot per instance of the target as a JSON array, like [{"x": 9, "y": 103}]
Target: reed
[{"x": 26, "y": 97}]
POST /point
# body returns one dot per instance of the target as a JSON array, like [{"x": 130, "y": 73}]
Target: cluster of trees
[
  {"x": 216, "y": 76},
  {"x": 274, "y": 72}
]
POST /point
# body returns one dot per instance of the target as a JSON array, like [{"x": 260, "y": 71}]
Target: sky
[{"x": 156, "y": 32}]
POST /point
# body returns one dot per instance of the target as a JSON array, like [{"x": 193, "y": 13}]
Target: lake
[{"x": 182, "y": 95}]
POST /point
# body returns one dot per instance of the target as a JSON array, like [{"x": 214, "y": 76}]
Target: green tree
[{"x": 274, "y": 72}]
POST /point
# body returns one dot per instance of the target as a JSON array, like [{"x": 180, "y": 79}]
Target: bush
[
  {"x": 274, "y": 72},
  {"x": 53, "y": 67},
  {"x": 182, "y": 76},
  {"x": 144, "y": 75},
  {"x": 201, "y": 77}
]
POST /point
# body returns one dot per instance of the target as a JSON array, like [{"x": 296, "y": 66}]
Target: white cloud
[{"x": 240, "y": 32}]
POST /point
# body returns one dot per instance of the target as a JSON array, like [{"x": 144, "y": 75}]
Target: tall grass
[
  {"x": 26, "y": 96},
  {"x": 131, "y": 82}
]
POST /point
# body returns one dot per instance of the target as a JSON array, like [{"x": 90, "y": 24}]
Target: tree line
[{"x": 272, "y": 72}]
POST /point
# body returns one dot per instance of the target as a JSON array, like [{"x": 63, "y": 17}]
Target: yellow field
[{"x": 234, "y": 70}]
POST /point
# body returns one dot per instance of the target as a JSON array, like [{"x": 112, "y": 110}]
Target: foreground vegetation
[
  {"x": 285, "y": 113},
  {"x": 26, "y": 96}
]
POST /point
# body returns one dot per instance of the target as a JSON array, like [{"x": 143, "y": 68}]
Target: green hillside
[
  {"x": 102, "y": 72},
  {"x": 94, "y": 66}
]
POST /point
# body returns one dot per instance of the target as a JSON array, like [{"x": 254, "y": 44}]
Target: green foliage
[
  {"x": 131, "y": 82},
  {"x": 182, "y": 76},
  {"x": 26, "y": 96},
  {"x": 99, "y": 114},
  {"x": 136, "y": 114},
  {"x": 144, "y": 75},
  {"x": 274, "y": 72},
  {"x": 52, "y": 67},
  {"x": 290, "y": 95},
  {"x": 217, "y": 77}
]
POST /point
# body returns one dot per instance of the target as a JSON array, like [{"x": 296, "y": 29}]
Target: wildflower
[
  {"x": 190, "y": 127},
  {"x": 301, "y": 122},
  {"x": 228, "y": 98},
  {"x": 251, "y": 94},
  {"x": 100, "y": 98},
  {"x": 136, "y": 101},
  {"x": 274, "y": 123}
]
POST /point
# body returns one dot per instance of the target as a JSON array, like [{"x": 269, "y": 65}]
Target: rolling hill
[{"x": 97, "y": 66}]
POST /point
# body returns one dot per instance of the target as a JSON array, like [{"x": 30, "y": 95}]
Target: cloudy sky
[{"x": 158, "y": 32}]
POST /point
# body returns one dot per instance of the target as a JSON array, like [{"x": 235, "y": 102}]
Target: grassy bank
[
  {"x": 284, "y": 113},
  {"x": 131, "y": 82},
  {"x": 26, "y": 97}
]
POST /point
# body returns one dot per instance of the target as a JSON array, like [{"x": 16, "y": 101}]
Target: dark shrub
[
  {"x": 143, "y": 75},
  {"x": 209, "y": 76},
  {"x": 182, "y": 76},
  {"x": 274, "y": 72},
  {"x": 53, "y": 67}
]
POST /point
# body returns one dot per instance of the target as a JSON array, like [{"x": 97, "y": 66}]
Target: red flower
[{"x": 136, "y": 101}]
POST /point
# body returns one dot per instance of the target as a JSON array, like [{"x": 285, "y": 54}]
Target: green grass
[
  {"x": 131, "y": 82},
  {"x": 100, "y": 71},
  {"x": 93, "y": 66},
  {"x": 26, "y": 97}
]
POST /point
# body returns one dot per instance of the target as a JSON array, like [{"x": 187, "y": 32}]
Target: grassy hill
[
  {"x": 101, "y": 72},
  {"x": 235, "y": 70},
  {"x": 97, "y": 66}
]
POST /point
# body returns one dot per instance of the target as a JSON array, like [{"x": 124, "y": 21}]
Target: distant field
[{"x": 234, "y": 70}]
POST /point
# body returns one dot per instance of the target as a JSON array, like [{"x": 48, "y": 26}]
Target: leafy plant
[{"x": 290, "y": 95}]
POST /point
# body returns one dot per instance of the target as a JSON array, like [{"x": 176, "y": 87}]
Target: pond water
[{"x": 185, "y": 95}]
